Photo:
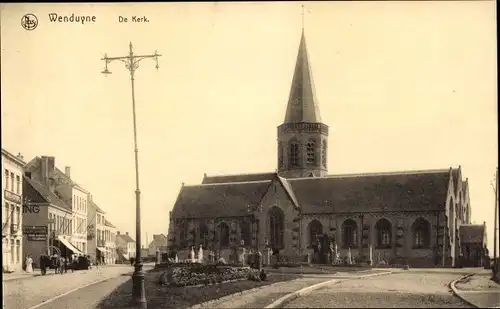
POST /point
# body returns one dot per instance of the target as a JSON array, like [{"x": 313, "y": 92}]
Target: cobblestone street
[
  {"x": 408, "y": 290},
  {"x": 25, "y": 293}
]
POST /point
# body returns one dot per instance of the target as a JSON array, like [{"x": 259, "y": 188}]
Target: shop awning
[
  {"x": 68, "y": 245},
  {"x": 103, "y": 250},
  {"x": 124, "y": 256}
]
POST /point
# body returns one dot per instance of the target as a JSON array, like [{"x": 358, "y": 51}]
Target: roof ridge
[
  {"x": 226, "y": 183},
  {"x": 411, "y": 172},
  {"x": 245, "y": 174}
]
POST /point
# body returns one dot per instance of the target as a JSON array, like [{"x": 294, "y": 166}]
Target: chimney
[
  {"x": 43, "y": 170},
  {"x": 117, "y": 232},
  {"x": 126, "y": 233},
  {"x": 47, "y": 169},
  {"x": 20, "y": 156},
  {"x": 51, "y": 165},
  {"x": 67, "y": 171}
]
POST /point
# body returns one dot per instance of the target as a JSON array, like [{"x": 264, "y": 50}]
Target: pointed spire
[{"x": 302, "y": 103}]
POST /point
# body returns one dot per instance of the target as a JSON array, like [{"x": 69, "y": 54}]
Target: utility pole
[
  {"x": 132, "y": 64},
  {"x": 495, "y": 228}
]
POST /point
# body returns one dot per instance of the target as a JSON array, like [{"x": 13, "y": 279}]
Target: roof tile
[
  {"x": 221, "y": 199},
  {"x": 44, "y": 191},
  {"x": 377, "y": 192},
  {"x": 471, "y": 233}
]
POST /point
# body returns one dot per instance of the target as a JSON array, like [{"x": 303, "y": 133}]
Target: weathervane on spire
[{"x": 302, "y": 17}]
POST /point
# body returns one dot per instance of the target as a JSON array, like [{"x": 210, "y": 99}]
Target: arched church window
[
  {"x": 350, "y": 235},
  {"x": 183, "y": 233},
  {"x": 294, "y": 154},
  {"x": 204, "y": 236},
  {"x": 280, "y": 155},
  {"x": 323, "y": 154},
  {"x": 276, "y": 227},
  {"x": 223, "y": 235},
  {"x": 384, "y": 233},
  {"x": 315, "y": 231},
  {"x": 421, "y": 230},
  {"x": 246, "y": 232},
  {"x": 311, "y": 152}
]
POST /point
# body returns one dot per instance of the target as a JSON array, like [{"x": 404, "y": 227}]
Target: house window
[
  {"x": 311, "y": 152},
  {"x": 12, "y": 251},
  {"x": 223, "y": 235},
  {"x": 294, "y": 154},
  {"x": 18, "y": 214},
  {"x": 12, "y": 181},
  {"x": 384, "y": 236},
  {"x": 6, "y": 179},
  {"x": 18, "y": 184},
  {"x": 421, "y": 233},
  {"x": 323, "y": 154},
  {"x": 349, "y": 229},
  {"x": 18, "y": 251},
  {"x": 13, "y": 214},
  {"x": 5, "y": 217}
]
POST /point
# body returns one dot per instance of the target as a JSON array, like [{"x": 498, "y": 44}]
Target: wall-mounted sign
[
  {"x": 35, "y": 230},
  {"x": 12, "y": 197},
  {"x": 36, "y": 237},
  {"x": 32, "y": 209}
]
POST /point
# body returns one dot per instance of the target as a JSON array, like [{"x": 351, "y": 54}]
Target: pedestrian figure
[
  {"x": 61, "y": 264},
  {"x": 43, "y": 264},
  {"x": 66, "y": 265},
  {"x": 29, "y": 264}
]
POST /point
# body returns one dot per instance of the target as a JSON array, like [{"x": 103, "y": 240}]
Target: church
[{"x": 399, "y": 217}]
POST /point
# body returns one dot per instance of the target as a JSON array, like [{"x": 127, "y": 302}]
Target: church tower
[{"x": 302, "y": 138}]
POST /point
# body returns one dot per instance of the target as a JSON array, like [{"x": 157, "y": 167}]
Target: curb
[
  {"x": 302, "y": 292},
  {"x": 48, "y": 301},
  {"x": 294, "y": 295},
  {"x": 208, "y": 304},
  {"x": 457, "y": 294}
]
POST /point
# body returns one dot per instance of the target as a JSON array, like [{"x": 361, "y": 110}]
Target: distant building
[
  {"x": 43, "y": 170},
  {"x": 95, "y": 233},
  {"x": 159, "y": 242},
  {"x": 125, "y": 246},
  {"x": 12, "y": 219},
  {"x": 396, "y": 217},
  {"x": 45, "y": 208},
  {"x": 473, "y": 240},
  {"x": 110, "y": 243}
]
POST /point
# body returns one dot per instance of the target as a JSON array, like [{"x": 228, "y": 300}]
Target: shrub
[{"x": 206, "y": 274}]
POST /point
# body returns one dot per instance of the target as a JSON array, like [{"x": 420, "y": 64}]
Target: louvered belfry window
[{"x": 294, "y": 154}]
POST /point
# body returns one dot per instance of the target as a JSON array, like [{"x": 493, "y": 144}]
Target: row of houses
[{"x": 46, "y": 211}]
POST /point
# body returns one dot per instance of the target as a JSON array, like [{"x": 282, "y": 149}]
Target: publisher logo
[{"x": 29, "y": 22}]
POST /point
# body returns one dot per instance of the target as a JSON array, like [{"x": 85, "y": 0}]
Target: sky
[{"x": 402, "y": 85}]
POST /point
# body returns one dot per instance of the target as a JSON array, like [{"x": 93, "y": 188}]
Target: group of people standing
[{"x": 61, "y": 264}]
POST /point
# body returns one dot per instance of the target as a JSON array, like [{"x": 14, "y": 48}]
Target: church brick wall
[{"x": 277, "y": 196}]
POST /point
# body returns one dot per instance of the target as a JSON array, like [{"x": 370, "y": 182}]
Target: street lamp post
[{"x": 132, "y": 64}]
